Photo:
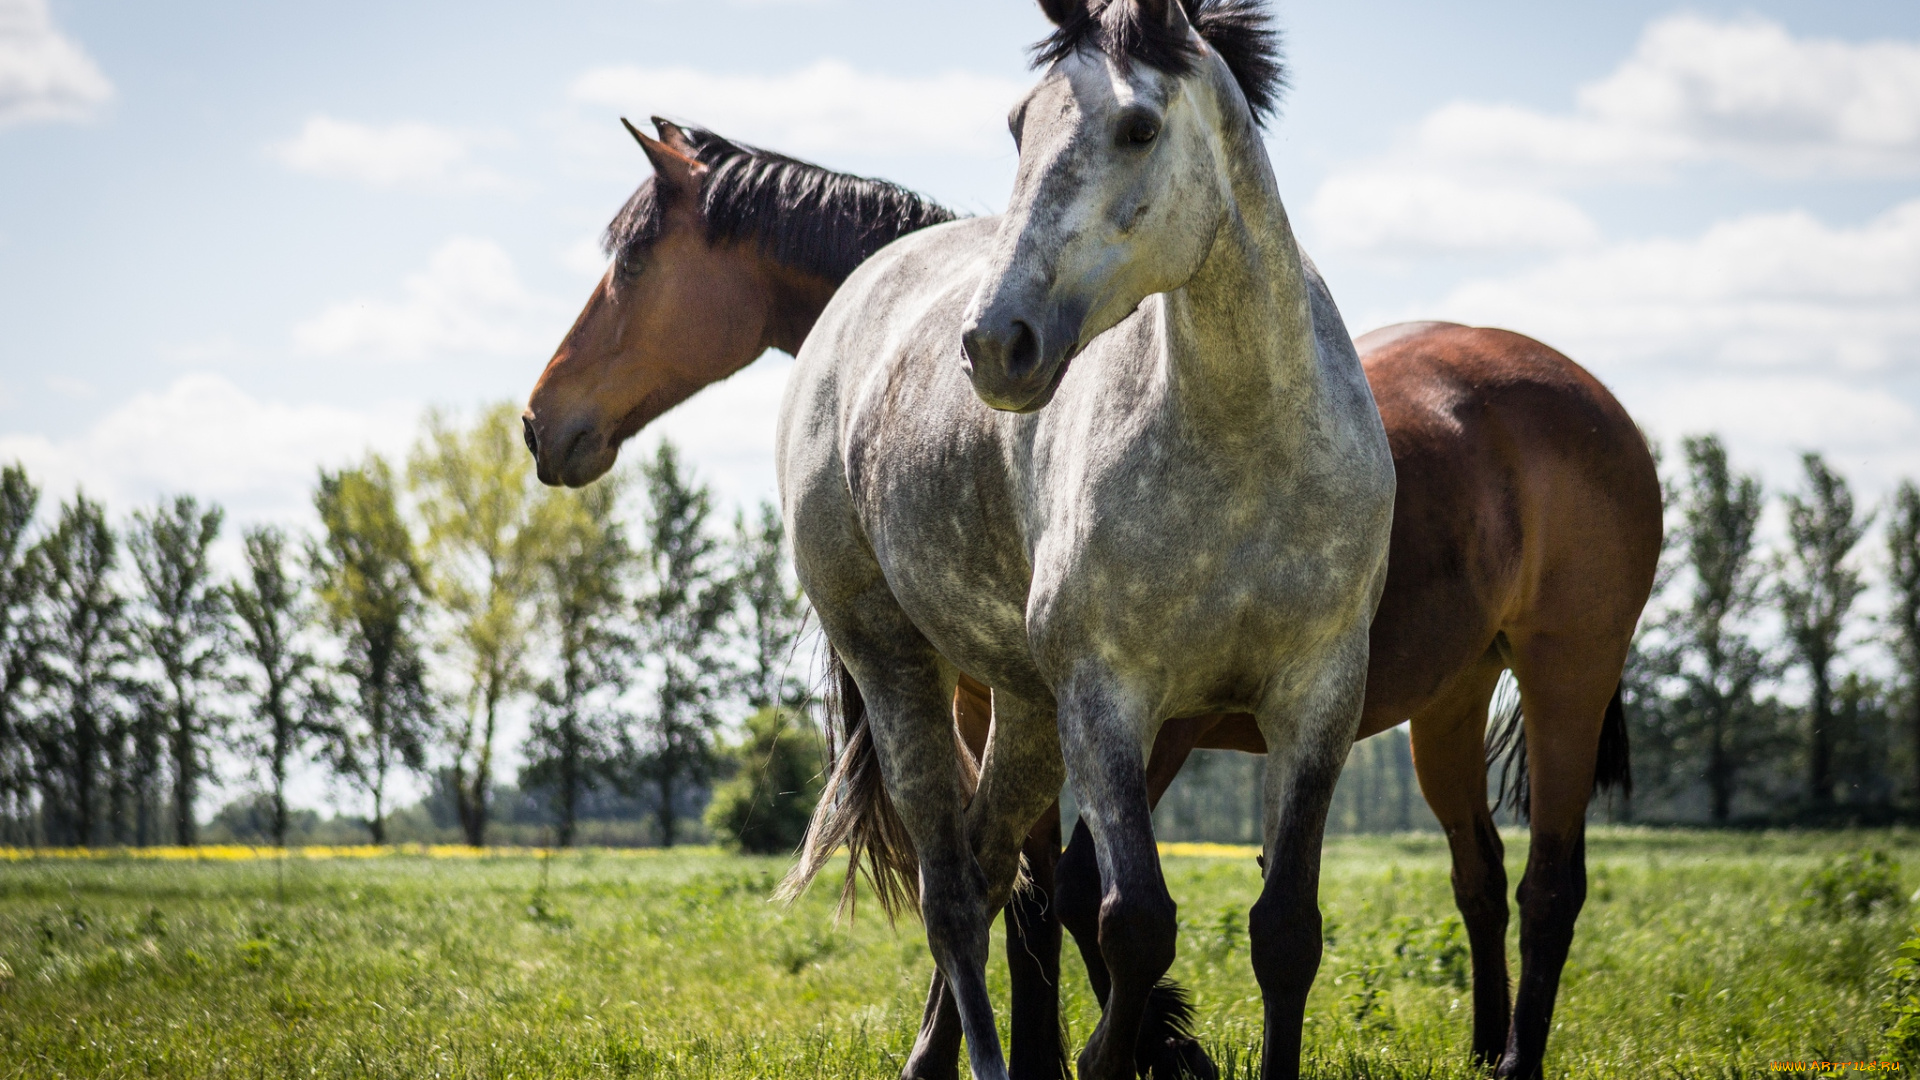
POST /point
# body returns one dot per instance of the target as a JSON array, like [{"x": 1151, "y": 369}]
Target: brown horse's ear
[
  {"x": 674, "y": 173},
  {"x": 1059, "y": 11},
  {"x": 675, "y": 136}
]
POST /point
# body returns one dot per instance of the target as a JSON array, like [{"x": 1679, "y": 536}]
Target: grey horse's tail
[
  {"x": 855, "y": 809},
  {"x": 1507, "y": 748}
]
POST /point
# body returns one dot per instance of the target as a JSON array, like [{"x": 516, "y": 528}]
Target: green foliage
[
  {"x": 486, "y": 525},
  {"x": 181, "y": 622},
  {"x": 1716, "y": 722},
  {"x": 19, "y": 648},
  {"x": 1903, "y": 1003},
  {"x": 1853, "y": 886},
  {"x": 689, "y": 596},
  {"x": 1817, "y": 589},
  {"x": 779, "y": 766},
  {"x": 583, "y": 569},
  {"x": 1903, "y": 575},
  {"x": 292, "y": 701},
  {"x": 89, "y": 700},
  {"x": 370, "y": 585},
  {"x": 775, "y": 611}
]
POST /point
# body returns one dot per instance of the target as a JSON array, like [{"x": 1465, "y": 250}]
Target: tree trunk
[
  {"x": 1719, "y": 782},
  {"x": 569, "y": 777},
  {"x": 1820, "y": 740},
  {"x": 665, "y": 813},
  {"x": 86, "y": 747},
  {"x": 378, "y": 824},
  {"x": 475, "y": 816},
  {"x": 183, "y": 777}
]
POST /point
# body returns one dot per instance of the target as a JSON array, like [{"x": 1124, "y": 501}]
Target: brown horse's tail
[
  {"x": 855, "y": 809},
  {"x": 1507, "y": 748}
]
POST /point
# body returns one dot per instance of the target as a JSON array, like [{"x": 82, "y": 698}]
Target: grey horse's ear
[
  {"x": 1171, "y": 12},
  {"x": 675, "y": 173},
  {"x": 1059, "y": 11}
]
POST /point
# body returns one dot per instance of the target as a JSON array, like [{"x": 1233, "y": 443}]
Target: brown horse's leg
[
  {"x": 1449, "y": 757},
  {"x": 1036, "y": 1052},
  {"x": 1166, "y": 1046},
  {"x": 1564, "y": 690}
]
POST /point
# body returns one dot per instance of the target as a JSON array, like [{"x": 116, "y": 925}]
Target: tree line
[
  {"x": 432, "y": 597},
  {"x": 1758, "y": 691},
  {"x": 437, "y": 593}
]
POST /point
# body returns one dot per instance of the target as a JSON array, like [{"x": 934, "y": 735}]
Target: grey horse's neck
[{"x": 1241, "y": 341}]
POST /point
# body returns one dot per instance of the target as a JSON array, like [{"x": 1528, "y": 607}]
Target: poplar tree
[
  {"x": 1816, "y": 591},
  {"x": 85, "y": 661},
  {"x": 369, "y": 582},
  {"x": 292, "y": 703},
  {"x": 181, "y": 625},
  {"x": 1716, "y": 660},
  {"x": 485, "y": 528},
  {"x": 584, "y": 569},
  {"x": 19, "y": 645},
  {"x": 684, "y": 611},
  {"x": 775, "y": 611},
  {"x": 1903, "y": 573}
]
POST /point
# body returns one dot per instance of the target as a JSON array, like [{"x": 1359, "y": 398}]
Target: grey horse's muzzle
[{"x": 1016, "y": 362}]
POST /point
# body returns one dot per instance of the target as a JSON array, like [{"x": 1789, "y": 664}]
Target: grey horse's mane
[
  {"x": 1241, "y": 31},
  {"x": 800, "y": 215}
]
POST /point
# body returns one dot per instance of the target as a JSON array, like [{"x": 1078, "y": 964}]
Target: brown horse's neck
[{"x": 795, "y": 301}]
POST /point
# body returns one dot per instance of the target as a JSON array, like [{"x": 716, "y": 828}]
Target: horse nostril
[
  {"x": 533, "y": 441},
  {"x": 1023, "y": 355}
]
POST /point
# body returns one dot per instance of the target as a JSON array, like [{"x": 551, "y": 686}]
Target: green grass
[{"x": 1695, "y": 958}]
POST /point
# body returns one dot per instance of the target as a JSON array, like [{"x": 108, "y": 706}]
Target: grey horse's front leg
[
  {"x": 1101, "y": 732},
  {"x": 1308, "y": 738}
]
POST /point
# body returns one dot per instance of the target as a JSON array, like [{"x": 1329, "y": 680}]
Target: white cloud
[
  {"x": 396, "y": 155},
  {"x": 43, "y": 75},
  {"x": 204, "y": 435},
  {"x": 467, "y": 300},
  {"x": 1698, "y": 89},
  {"x": 1763, "y": 291},
  {"x": 1400, "y": 212},
  {"x": 827, "y": 107}
]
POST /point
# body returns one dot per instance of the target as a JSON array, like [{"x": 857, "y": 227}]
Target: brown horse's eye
[{"x": 1142, "y": 131}]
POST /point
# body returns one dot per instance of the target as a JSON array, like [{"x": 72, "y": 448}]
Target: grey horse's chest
[{"x": 1019, "y": 544}]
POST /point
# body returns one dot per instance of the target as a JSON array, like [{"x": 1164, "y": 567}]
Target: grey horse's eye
[{"x": 1140, "y": 131}]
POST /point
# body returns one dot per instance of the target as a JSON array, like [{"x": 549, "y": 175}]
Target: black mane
[
  {"x": 800, "y": 215},
  {"x": 1241, "y": 31}
]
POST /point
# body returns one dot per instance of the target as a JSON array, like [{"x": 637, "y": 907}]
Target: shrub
[
  {"x": 1853, "y": 885},
  {"x": 764, "y": 809},
  {"x": 1903, "y": 1003}
]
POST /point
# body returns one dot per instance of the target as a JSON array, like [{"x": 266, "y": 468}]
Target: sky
[{"x": 241, "y": 241}]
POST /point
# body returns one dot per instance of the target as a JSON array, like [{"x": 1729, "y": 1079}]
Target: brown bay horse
[{"x": 1527, "y": 526}]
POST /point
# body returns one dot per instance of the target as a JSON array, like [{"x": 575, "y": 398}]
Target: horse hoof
[{"x": 1182, "y": 1059}]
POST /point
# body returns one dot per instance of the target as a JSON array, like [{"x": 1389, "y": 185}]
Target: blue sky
[
  {"x": 242, "y": 240},
  {"x": 239, "y": 240}
]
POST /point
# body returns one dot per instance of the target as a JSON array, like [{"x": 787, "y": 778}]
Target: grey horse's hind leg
[
  {"x": 1100, "y": 734},
  {"x": 906, "y": 687},
  {"x": 1033, "y": 963},
  {"x": 1307, "y": 742},
  {"x": 936, "y": 1050}
]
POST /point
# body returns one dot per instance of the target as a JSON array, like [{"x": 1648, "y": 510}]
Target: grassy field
[{"x": 1695, "y": 958}]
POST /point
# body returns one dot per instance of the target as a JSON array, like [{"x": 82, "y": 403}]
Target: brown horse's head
[{"x": 678, "y": 309}]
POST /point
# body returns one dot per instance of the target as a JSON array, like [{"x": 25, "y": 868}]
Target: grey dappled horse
[{"x": 1196, "y": 522}]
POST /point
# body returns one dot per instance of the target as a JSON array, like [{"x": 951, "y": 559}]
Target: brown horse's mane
[
  {"x": 1241, "y": 31},
  {"x": 800, "y": 215}
]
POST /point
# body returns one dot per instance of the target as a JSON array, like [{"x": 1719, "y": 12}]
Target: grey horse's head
[{"x": 1125, "y": 151}]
